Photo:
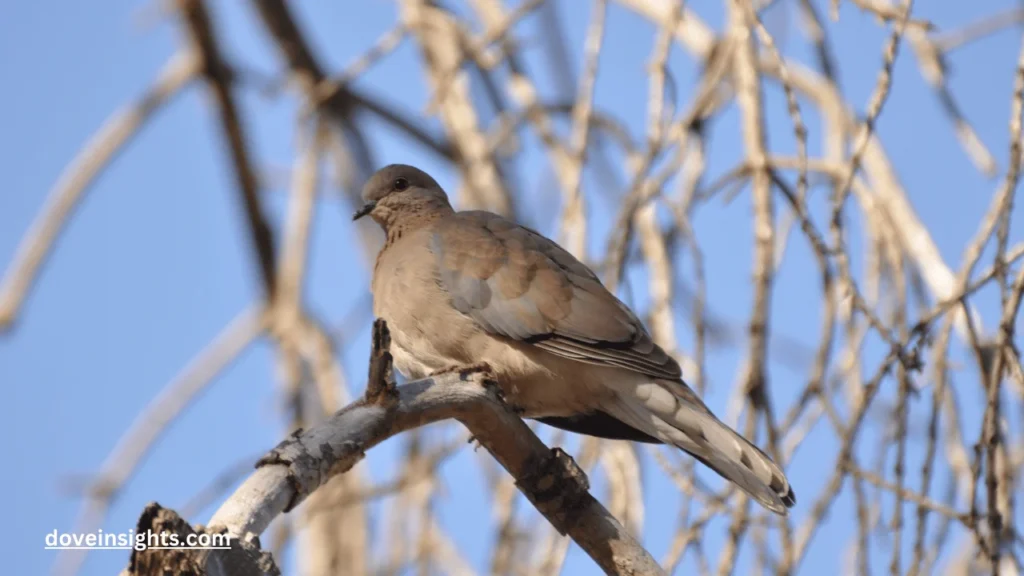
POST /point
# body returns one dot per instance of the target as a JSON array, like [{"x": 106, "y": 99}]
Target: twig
[{"x": 574, "y": 222}]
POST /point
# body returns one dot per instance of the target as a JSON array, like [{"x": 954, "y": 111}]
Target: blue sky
[{"x": 155, "y": 261}]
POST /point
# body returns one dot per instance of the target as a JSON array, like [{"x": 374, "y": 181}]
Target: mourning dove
[{"x": 473, "y": 288}]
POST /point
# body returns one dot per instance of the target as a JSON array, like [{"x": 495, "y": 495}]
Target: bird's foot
[{"x": 464, "y": 370}]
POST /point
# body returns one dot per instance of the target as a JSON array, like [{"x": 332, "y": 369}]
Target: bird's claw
[{"x": 464, "y": 370}]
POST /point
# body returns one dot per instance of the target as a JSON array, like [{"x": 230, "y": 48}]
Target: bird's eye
[{"x": 400, "y": 184}]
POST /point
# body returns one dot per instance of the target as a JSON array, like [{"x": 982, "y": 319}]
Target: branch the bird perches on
[{"x": 307, "y": 459}]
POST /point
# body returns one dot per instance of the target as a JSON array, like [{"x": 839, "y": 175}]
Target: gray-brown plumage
[{"x": 463, "y": 288}]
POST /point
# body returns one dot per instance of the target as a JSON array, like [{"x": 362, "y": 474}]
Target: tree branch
[
  {"x": 549, "y": 478},
  {"x": 115, "y": 134},
  {"x": 218, "y": 79}
]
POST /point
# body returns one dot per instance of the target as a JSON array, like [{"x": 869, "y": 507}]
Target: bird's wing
[{"x": 518, "y": 284}]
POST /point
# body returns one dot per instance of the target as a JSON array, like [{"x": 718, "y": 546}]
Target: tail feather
[{"x": 671, "y": 412}]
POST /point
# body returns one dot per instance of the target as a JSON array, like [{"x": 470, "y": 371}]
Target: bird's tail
[{"x": 674, "y": 414}]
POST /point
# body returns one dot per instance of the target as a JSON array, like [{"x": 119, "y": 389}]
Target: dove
[{"x": 474, "y": 289}]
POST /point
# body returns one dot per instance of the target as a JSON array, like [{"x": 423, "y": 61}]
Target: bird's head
[{"x": 397, "y": 191}]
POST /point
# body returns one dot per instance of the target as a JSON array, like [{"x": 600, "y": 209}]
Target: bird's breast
[{"x": 427, "y": 334}]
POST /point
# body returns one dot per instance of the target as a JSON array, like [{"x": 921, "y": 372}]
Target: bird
[{"x": 475, "y": 289}]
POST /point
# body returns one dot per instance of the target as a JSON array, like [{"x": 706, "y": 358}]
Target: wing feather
[{"x": 518, "y": 284}]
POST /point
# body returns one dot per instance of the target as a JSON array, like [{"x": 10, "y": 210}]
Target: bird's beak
[{"x": 366, "y": 209}]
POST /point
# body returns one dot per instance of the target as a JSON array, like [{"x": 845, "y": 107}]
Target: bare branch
[
  {"x": 96, "y": 155},
  {"x": 549, "y": 479}
]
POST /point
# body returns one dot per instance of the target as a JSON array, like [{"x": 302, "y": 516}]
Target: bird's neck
[{"x": 414, "y": 218}]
